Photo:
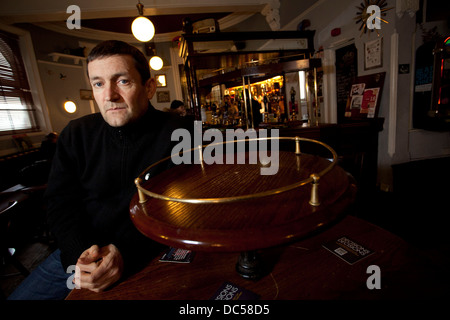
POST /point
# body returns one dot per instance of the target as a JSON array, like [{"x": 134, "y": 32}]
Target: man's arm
[{"x": 64, "y": 205}]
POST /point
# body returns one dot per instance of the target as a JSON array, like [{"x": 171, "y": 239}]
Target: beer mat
[
  {"x": 177, "y": 255},
  {"x": 347, "y": 249},
  {"x": 230, "y": 291}
]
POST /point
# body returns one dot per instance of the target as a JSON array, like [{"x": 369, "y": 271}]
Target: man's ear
[{"x": 151, "y": 87}]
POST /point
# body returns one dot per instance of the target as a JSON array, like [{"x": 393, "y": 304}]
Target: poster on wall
[
  {"x": 373, "y": 54},
  {"x": 162, "y": 96},
  {"x": 369, "y": 101},
  {"x": 364, "y": 97}
]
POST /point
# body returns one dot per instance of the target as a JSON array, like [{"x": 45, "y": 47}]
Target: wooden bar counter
[{"x": 303, "y": 270}]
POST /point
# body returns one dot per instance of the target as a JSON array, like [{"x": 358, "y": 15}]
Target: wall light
[
  {"x": 142, "y": 28},
  {"x": 70, "y": 106},
  {"x": 156, "y": 63}
]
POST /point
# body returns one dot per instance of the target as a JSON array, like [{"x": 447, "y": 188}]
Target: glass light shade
[
  {"x": 156, "y": 63},
  {"x": 70, "y": 106},
  {"x": 143, "y": 29}
]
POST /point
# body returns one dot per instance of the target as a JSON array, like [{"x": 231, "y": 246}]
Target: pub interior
[{"x": 323, "y": 74}]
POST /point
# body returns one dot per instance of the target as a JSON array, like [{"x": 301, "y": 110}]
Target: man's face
[
  {"x": 181, "y": 110},
  {"x": 118, "y": 89}
]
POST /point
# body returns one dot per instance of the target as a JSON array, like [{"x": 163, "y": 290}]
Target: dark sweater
[{"x": 91, "y": 183}]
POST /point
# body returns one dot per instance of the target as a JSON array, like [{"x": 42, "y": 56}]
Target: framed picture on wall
[
  {"x": 162, "y": 96},
  {"x": 161, "y": 80},
  {"x": 373, "y": 54},
  {"x": 86, "y": 94}
]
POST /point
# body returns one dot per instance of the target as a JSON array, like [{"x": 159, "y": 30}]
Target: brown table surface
[
  {"x": 250, "y": 224},
  {"x": 302, "y": 270}
]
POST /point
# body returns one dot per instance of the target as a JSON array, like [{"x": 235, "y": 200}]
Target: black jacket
[{"x": 91, "y": 183}]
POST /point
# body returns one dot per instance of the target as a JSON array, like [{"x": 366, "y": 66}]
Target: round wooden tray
[{"x": 232, "y": 207}]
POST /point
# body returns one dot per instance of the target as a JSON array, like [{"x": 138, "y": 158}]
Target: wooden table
[
  {"x": 233, "y": 207},
  {"x": 303, "y": 270},
  {"x": 284, "y": 229},
  {"x": 254, "y": 222}
]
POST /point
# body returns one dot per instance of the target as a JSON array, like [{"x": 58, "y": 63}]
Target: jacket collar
[{"x": 133, "y": 130}]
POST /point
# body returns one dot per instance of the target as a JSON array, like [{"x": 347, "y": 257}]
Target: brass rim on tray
[{"x": 313, "y": 178}]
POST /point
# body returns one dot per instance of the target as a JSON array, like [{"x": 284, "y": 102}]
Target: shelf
[
  {"x": 261, "y": 71},
  {"x": 224, "y": 40},
  {"x": 56, "y": 56}
]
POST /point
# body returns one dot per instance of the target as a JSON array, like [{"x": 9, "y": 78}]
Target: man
[
  {"x": 92, "y": 178},
  {"x": 178, "y": 107},
  {"x": 253, "y": 111}
]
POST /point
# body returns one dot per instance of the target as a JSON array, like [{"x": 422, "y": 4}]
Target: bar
[{"x": 282, "y": 151}]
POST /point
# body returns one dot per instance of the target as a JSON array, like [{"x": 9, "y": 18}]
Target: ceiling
[
  {"x": 163, "y": 24},
  {"x": 100, "y": 18},
  {"x": 111, "y": 19}
]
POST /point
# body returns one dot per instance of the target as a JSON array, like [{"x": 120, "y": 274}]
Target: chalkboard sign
[{"x": 346, "y": 72}]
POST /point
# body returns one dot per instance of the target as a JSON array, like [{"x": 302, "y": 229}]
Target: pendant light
[
  {"x": 142, "y": 28},
  {"x": 156, "y": 63}
]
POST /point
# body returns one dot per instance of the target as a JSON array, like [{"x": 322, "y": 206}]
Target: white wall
[
  {"x": 62, "y": 81},
  {"x": 398, "y": 142}
]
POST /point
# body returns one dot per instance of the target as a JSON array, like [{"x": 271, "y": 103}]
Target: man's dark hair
[
  {"x": 176, "y": 104},
  {"x": 114, "y": 47}
]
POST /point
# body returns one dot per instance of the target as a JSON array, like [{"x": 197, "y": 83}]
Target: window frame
[
  {"x": 14, "y": 86},
  {"x": 36, "y": 88}
]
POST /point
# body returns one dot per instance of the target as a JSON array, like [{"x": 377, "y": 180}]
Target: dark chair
[{"x": 7, "y": 253}]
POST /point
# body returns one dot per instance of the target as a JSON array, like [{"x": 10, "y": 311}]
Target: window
[{"x": 17, "y": 112}]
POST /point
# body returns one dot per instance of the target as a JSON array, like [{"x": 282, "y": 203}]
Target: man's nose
[{"x": 111, "y": 93}]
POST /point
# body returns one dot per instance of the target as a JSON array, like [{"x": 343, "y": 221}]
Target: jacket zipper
[{"x": 122, "y": 158}]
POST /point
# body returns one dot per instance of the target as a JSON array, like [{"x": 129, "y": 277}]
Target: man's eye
[
  {"x": 124, "y": 81},
  {"x": 97, "y": 84}
]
